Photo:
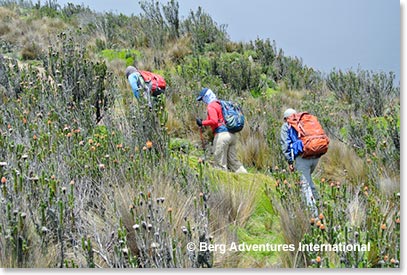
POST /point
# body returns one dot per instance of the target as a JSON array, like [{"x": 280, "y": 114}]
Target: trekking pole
[{"x": 203, "y": 141}]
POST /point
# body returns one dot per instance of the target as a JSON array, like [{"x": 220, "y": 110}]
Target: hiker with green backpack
[
  {"x": 225, "y": 119},
  {"x": 303, "y": 142}
]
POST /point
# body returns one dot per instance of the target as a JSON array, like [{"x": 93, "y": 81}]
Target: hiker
[
  {"x": 292, "y": 148},
  {"x": 138, "y": 84},
  {"x": 224, "y": 143}
]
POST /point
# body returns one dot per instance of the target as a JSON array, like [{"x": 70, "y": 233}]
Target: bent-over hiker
[{"x": 138, "y": 85}]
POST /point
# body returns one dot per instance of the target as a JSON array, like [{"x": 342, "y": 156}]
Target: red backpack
[
  {"x": 313, "y": 137},
  {"x": 156, "y": 81}
]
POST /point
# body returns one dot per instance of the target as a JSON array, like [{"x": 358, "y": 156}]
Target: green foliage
[
  {"x": 349, "y": 215},
  {"x": 204, "y": 31},
  {"x": 129, "y": 56},
  {"x": 95, "y": 180},
  {"x": 369, "y": 93}
]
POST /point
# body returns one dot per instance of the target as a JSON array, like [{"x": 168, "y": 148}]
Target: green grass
[
  {"x": 262, "y": 225},
  {"x": 262, "y": 228},
  {"x": 127, "y": 55}
]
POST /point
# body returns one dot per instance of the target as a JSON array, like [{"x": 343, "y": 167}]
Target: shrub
[{"x": 31, "y": 51}]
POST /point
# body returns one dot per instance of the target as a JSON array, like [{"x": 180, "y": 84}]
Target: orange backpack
[
  {"x": 313, "y": 137},
  {"x": 158, "y": 83}
]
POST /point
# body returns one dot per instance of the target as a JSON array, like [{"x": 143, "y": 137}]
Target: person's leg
[
  {"x": 313, "y": 163},
  {"x": 233, "y": 162},
  {"x": 304, "y": 167},
  {"x": 221, "y": 144}
]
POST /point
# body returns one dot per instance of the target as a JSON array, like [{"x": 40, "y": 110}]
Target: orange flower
[
  {"x": 318, "y": 259},
  {"x": 398, "y": 220},
  {"x": 383, "y": 226},
  {"x": 35, "y": 137},
  {"x": 323, "y": 180},
  {"x": 318, "y": 223},
  {"x": 169, "y": 210},
  {"x": 3, "y": 180},
  {"x": 322, "y": 227},
  {"x": 149, "y": 144},
  {"x": 392, "y": 261},
  {"x": 69, "y": 135},
  {"x": 312, "y": 221},
  {"x": 321, "y": 216},
  {"x": 385, "y": 258},
  {"x": 90, "y": 141},
  {"x": 24, "y": 120},
  {"x": 119, "y": 146},
  {"x": 93, "y": 148}
]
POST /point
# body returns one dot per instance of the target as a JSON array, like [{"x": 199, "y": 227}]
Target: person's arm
[
  {"x": 285, "y": 143},
  {"x": 212, "y": 119},
  {"x": 133, "y": 81}
]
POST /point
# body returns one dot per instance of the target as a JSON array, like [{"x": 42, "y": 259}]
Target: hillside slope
[{"x": 90, "y": 177}]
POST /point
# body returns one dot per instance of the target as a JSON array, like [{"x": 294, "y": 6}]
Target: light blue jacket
[
  {"x": 137, "y": 84},
  {"x": 134, "y": 81}
]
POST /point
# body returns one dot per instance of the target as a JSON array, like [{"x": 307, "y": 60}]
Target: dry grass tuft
[
  {"x": 254, "y": 150},
  {"x": 388, "y": 186},
  {"x": 356, "y": 211},
  {"x": 341, "y": 162},
  {"x": 179, "y": 49}
]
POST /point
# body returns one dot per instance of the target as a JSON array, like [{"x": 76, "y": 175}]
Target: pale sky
[{"x": 326, "y": 34}]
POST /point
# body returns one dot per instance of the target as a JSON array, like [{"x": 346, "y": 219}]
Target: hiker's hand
[
  {"x": 199, "y": 122},
  {"x": 291, "y": 167}
]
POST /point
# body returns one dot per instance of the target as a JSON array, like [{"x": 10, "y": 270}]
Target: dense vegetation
[{"x": 91, "y": 178}]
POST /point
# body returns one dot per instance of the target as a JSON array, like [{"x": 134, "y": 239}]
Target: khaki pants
[{"x": 225, "y": 152}]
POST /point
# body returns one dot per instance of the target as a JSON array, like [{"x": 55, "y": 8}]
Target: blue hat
[{"x": 202, "y": 94}]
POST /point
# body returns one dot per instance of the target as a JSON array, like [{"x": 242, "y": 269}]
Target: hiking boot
[{"x": 241, "y": 170}]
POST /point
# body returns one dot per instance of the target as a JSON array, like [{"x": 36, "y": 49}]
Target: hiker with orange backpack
[
  {"x": 138, "y": 84},
  {"x": 146, "y": 83},
  {"x": 303, "y": 141},
  {"x": 225, "y": 138}
]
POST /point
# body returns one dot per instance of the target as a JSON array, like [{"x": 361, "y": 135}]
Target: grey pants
[{"x": 306, "y": 167}]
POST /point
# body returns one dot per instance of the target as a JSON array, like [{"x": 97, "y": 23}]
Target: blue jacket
[
  {"x": 291, "y": 145},
  {"x": 138, "y": 86},
  {"x": 134, "y": 81}
]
